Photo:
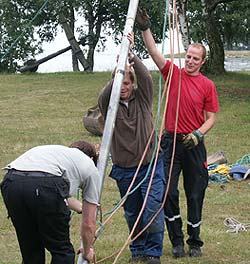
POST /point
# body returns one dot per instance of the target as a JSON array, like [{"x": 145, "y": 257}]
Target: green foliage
[
  {"x": 235, "y": 25},
  {"x": 48, "y": 109},
  {"x": 156, "y": 11},
  {"x": 14, "y": 19},
  {"x": 101, "y": 19},
  {"x": 232, "y": 19}
]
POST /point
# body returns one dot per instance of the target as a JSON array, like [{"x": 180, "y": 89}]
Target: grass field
[{"x": 48, "y": 109}]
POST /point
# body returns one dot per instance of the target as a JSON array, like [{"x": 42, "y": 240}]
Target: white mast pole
[
  {"x": 114, "y": 99},
  {"x": 115, "y": 94}
]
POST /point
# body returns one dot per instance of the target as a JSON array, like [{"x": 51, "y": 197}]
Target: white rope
[{"x": 235, "y": 226}]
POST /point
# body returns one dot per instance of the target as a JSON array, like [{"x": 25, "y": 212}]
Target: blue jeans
[{"x": 149, "y": 243}]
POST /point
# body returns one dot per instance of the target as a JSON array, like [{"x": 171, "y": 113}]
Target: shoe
[
  {"x": 178, "y": 251},
  {"x": 152, "y": 260},
  {"x": 195, "y": 251},
  {"x": 137, "y": 258}
]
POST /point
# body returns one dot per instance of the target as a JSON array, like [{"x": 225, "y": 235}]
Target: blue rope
[
  {"x": 24, "y": 31},
  {"x": 245, "y": 160},
  {"x": 218, "y": 177}
]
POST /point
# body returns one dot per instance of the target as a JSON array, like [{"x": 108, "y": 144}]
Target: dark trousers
[
  {"x": 192, "y": 163},
  {"x": 37, "y": 208},
  {"x": 150, "y": 242}
]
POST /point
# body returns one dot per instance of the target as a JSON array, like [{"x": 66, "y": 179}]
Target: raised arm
[
  {"x": 155, "y": 54},
  {"x": 104, "y": 96},
  {"x": 143, "y": 23}
]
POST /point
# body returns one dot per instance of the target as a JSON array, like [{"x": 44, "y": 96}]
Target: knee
[{"x": 158, "y": 224}]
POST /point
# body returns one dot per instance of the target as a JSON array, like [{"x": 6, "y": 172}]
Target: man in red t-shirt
[{"x": 195, "y": 112}]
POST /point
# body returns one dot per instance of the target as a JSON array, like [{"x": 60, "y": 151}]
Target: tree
[
  {"x": 14, "y": 22},
  {"x": 235, "y": 24},
  {"x": 183, "y": 21},
  {"x": 206, "y": 21},
  {"x": 102, "y": 18},
  {"x": 216, "y": 49},
  {"x": 219, "y": 24}
]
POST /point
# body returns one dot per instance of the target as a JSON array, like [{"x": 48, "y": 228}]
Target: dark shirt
[{"x": 134, "y": 123}]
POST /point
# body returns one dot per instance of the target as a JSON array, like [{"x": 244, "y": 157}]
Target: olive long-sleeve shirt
[{"x": 134, "y": 123}]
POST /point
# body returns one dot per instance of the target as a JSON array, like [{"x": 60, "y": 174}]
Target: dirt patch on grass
[{"x": 234, "y": 92}]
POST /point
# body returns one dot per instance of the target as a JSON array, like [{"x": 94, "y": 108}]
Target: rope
[
  {"x": 24, "y": 30},
  {"x": 235, "y": 226},
  {"x": 218, "y": 178},
  {"x": 245, "y": 160},
  {"x": 167, "y": 85},
  {"x": 118, "y": 253},
  {"x": 220, "y": 173}
]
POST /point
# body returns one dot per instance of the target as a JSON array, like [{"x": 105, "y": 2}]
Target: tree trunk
[
  {"x": 75, "y": 64},
  {"x": 184, "y": 29},
  {"x": 215, "y": 63},
  {"x": 74, "y": 44}
]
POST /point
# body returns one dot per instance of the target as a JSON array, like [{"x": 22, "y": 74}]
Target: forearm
[
  {"x": 149, "y": 41},
  {"x": 104, "y": 97},
  {"x": 193, "y": 139},
  {"x": 155, "y": 54},
  {"x": 87, "y": 235},
  {"x": 209, "y": 123},
  {"x": 74, "y": 204},
  {"x": 141, "y": 71},
  {"x": 88, "y": 226}
]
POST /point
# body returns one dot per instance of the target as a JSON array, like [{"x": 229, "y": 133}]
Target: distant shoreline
[
  {"x": 228, "y": 54},
  {"x": 237, "y": 53}
]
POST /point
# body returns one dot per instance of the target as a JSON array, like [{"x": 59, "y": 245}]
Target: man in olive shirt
[{"x": 132, "y": 130}]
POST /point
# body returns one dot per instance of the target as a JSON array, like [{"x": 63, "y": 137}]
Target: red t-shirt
[{"x": 197, "y": 94}]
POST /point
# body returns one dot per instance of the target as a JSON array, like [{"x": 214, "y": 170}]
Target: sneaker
[
  {"x": 195, "y": 251},
  {"x": 178, "y": 251},
  {"x": 152, "y": 260},
  {"x": 137, "y": 258}
]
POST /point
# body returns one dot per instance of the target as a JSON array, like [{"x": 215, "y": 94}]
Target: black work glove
[
  {"x": 142, "y": 19},
  {"x": 193, "y": 139}
]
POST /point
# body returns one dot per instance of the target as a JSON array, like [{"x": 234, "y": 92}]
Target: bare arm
[
  {"x": 88, "y": 228},
  {"x": 155, "y": 54},
  {"x": 74, "y": 204},
  {"x": 209, "y": 123}
]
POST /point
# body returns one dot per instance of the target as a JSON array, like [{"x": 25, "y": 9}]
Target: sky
[
  {"x": 103, "y": 61},
  {"x": 106, "y": 61}
]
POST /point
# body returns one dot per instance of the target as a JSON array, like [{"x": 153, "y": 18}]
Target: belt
[
  {"x": 31, "y": 173},
  {"x": 179, "y": 136}
]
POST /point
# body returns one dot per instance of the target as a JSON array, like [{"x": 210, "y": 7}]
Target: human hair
[
  {"x": 131, "y": 73},
  {"x": 200, "y": 46},
  {"x": 129, "y": 70},
  {"x": 86, "y": 148}
]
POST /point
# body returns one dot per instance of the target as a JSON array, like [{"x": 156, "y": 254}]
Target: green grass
[{"x": 48, "y": 109}]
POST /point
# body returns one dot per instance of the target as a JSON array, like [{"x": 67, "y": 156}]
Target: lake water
[{"x": 237, "y": 64}]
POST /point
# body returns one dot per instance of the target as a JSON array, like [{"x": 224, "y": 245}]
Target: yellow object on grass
[{"x": 222, "y": 169}]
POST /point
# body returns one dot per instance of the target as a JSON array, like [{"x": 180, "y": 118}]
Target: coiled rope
[
  {"x": 245, "y": 160},
  {"x": 235, "y": 226}
]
